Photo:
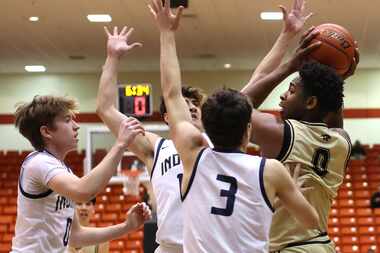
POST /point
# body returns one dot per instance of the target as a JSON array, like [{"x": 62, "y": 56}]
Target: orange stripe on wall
[{"x": 93, "y": 118}]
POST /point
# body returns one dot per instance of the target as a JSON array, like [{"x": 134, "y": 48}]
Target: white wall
[{"x": 361, "y": 91}]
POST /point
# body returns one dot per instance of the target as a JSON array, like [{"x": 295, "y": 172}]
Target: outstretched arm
[
  {"x": 85, "y": 188},
  {"x": 260, "y": 90},
  {"x": 84, "y": 236},
  {"x": 292, "y": 25},
  {"x": 187, "y": 138},
  {"x": 117, "y": 46},
  {"x": 267, "y": 130}
]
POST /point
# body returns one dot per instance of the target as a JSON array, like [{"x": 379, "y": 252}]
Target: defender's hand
[
  {"x": 166, "y": 20},
  {"x": 117, "y": 43}
]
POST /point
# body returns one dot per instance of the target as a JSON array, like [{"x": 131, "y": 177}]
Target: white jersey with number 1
[
  {"x": 167, "y": 169},
  {"x": 225, "y": 206}
]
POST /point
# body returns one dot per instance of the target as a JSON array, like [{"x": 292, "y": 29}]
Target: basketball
[{"x": 337, "y": 49}]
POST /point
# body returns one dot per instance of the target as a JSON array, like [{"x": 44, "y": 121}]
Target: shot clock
[{"x": 135, "y": 100}]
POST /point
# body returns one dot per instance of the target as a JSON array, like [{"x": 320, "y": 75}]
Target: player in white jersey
[
  {"x": 228, "y": 195},
  {"x": 47, "y": 188},
  {"x": 148, "y": 148}
]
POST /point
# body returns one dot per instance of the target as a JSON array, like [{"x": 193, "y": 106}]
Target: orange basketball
[{"x": 337, "y": 49}]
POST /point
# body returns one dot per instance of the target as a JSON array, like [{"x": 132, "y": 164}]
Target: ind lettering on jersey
[
  {"x": 62, "y": 203},
  {"x": 169, "y": 163}
]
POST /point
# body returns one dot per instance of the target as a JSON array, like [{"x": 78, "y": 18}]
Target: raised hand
[
  {"x": 166, "y": 20},
  {"x": 304, "y": 49},
  {"x": 296, "y": 18},
  {"x": 137, "y": 215},
  {"x": 117, "y": 43},
  {"x": 129, "y": 129}
]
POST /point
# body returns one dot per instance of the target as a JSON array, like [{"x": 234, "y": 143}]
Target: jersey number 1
[{"x": 229, "y": 194}]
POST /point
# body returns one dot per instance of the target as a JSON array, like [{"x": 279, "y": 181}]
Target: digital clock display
[{"x": 135, "y": 99}]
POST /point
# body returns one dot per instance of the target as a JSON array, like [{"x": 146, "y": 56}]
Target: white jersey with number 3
[
  {"x": 225, "y": 206},
  {"x": 44, "y": 218}
]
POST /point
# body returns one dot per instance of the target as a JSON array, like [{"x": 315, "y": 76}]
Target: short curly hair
[
  {"x": 324, "y": 83},
  {"x": 225, "y": 117},
  {"x": 29, "y": 117},
  {"x": 187, "y": 92}
]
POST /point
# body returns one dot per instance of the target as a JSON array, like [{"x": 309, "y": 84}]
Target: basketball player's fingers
[
  {"x": 357, "y": 53},
  {"x": 148, "y": 215},
  {"x": 135, "y": 122},
  {"x": 137, "y": 132},
  {"x": 130, "y": 120},
  {"x": 136, "y": 128},
  {"x": 305, "y": 34},
  {"x": 302, "y": 6},
  {"x": 296, "y": 172},
  {"x": 308, "y": 16},
  {"x": 132, "y": 209},
  {"x": 352, "y": 69},
  {"x": 306, "y": 189},
  {"x": 157, "y": 5},
  {"x": 306, "y": 41},
  {"x": 153, "y": 5},
  {"x": 146, "y": 211},
  {"x": 123, "y": 31},
  {"x": 295, "y": 4},
  {"x": 115, "y": 31},
  {"x": 284, "y": 11},
  {"x": 129, "y": 32},
  {"x": 107, "y": 31},
  {"x": 152, "y": 11},
  {"x": 306, "y": 51},
  {"x": 136, "y": 44},
  {"x": 178, "y": 17},
  {"x": 167, "y": 5}
]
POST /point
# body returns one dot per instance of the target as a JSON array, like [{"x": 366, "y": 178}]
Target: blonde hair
[{"x": 29, "y": 117}]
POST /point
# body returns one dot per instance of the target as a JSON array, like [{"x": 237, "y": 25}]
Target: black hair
[
  {"x": 93, "y": 201},
  {"x": 225, "y": 117},
  {"x": 324, "y": 83},
  {"x": 187, "y": 92}
]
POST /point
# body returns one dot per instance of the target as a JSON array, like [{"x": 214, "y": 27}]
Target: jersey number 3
[{"x": 229, "y": 194}]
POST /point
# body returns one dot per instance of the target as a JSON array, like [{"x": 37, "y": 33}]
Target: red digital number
[{"x": 139, "y": 107}]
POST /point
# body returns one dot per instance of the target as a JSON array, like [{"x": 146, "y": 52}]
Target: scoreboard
[{"x": 135, "y": 99}]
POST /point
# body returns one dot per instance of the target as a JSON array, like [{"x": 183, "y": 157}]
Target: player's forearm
[
  {"x": 171, "y": 80},
  {"x": 260, "y": 90},
  {"x": 274, "y": 57},
  {"x": 90, "y": 236},
  {"x": 170, "y": 70},
  {"x": 107, "y": 93},
  {"x": 95, "y": 181}
]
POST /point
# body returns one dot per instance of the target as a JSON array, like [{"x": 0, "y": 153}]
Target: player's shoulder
[
  {"x": 342, "y": 133},
  {"x": 42, "y": 159},
  {"x": 306, "y": 125}
]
